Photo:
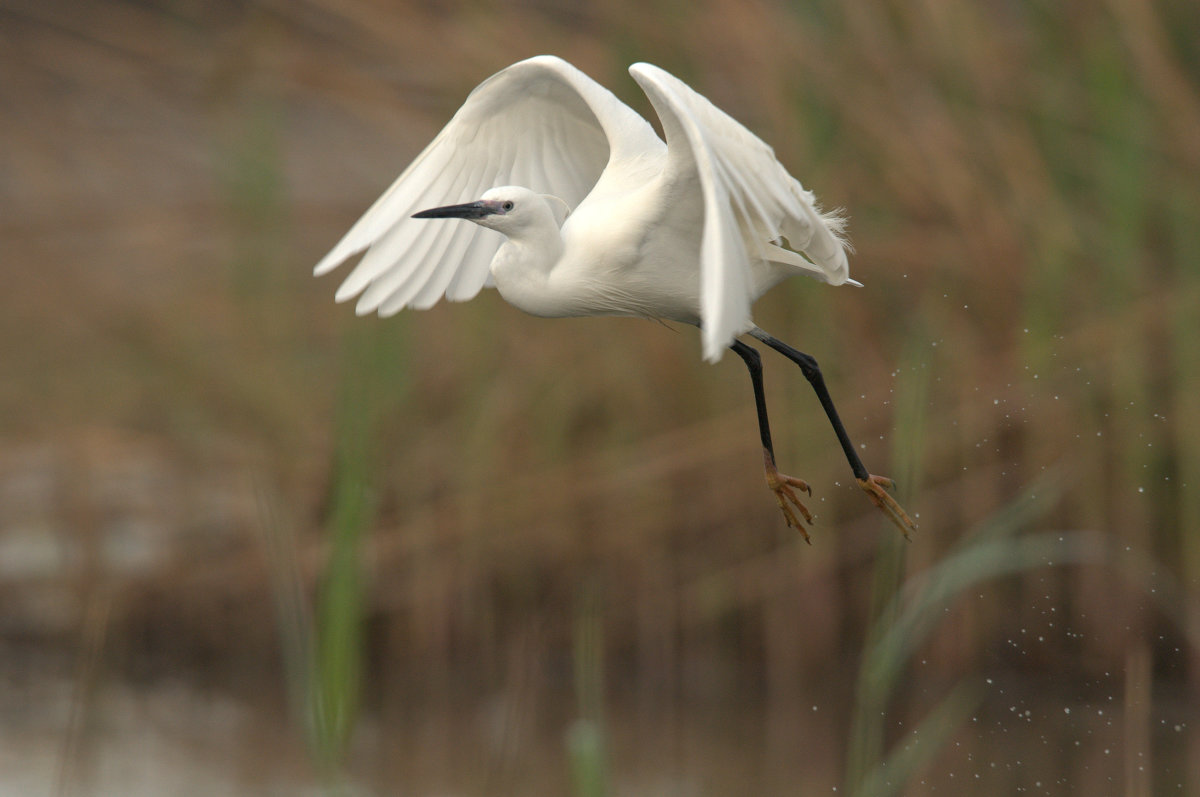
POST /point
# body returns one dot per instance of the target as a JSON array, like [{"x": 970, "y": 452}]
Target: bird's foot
[
  {"x": 782, "y": 484},
  {"x": 876, "y": 488}
]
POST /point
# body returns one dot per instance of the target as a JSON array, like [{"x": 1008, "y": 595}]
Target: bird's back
[{"x": 633, "y": 247}]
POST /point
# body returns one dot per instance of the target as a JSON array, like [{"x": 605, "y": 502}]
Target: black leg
[
  {"x": 753, "y": 362},
  {"x": 875, "y": 486},
  {"x": 780, "y": 484},
  {"x": 808, "y": 365}
]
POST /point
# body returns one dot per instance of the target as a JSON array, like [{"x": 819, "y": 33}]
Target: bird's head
[{"x": 508, "y": 209}]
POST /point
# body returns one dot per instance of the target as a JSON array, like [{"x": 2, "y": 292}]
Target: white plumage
[
  {"x": 579, "y": 208},
  {"x": 689, "y": 230}
]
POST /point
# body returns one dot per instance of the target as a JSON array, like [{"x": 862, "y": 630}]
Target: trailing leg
[
  {"x": 876, "y": 487},
  {"x": 780, "y": 484}
]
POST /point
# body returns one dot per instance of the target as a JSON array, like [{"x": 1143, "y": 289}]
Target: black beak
[{"x": 471, "y": 210}]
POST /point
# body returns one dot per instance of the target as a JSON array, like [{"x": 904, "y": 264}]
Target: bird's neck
[{"x": 523, "y": 266}]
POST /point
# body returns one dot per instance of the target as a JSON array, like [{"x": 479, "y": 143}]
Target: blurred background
[{"x": 252, "y": 544}]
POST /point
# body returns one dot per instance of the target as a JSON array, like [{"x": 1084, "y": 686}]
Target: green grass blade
[{"x": 921, "y": 746}]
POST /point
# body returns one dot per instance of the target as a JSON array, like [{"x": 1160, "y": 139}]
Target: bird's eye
[{"x": 507, "y": 206}]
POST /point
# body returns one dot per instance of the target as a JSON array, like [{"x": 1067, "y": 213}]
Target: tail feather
[{"x": 793, "y": 262}]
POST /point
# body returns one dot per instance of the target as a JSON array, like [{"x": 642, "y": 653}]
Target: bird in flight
[{"x": 566, "y": 201}]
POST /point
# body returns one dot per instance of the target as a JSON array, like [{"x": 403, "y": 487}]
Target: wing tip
[
  {"x": 715, "y": 341},
  {"x": 336, "y": 257},
  {"x": 644, "y": 68},
  {"x": 326, "y": 265}
]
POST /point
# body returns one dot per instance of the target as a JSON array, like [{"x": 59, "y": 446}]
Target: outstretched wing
[
  {"x": 749, "y": 201},
  {"x": 540, "y": 123}
]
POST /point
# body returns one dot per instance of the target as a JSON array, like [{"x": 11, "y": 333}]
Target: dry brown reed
[{"x": 1022, "y": 183}]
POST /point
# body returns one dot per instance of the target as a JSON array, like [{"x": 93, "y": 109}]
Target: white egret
[{"x": 578, "y": 208}]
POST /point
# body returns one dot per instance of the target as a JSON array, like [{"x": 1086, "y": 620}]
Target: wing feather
[
  {"x": 542, "y": 121},
  {"x": 749, "y": 200},
  {"x": 397, "y": 240},
  {"x": 398, "y": 287}
]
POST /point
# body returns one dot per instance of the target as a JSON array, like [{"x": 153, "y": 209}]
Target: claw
[
  {"x": 781, "y": 484},
  {"x": 876, "y": 488}
]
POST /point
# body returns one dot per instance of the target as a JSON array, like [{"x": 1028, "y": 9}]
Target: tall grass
[
  {"x": 1002, "y": 173},
  {"x": 374, "y": 381},
  {"x": 586, "y": 737},
  {"x": 1022, "y": 186},
  {"x": 998, "y": 548}
]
